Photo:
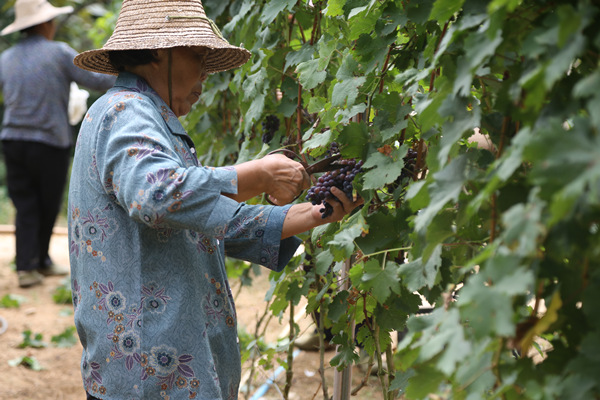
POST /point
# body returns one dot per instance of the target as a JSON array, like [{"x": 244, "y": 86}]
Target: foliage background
[{"x": 503, "y": 241}]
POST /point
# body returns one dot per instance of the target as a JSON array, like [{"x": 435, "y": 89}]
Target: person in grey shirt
[{"x": 35, "y": 79}]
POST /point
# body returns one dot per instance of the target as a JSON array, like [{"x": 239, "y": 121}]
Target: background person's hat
[
  {"x": 29, "y": 13},
  {"x": 163, "y": 24}
]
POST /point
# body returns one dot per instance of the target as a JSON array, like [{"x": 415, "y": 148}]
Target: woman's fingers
[{"x": 344, "y": 205}]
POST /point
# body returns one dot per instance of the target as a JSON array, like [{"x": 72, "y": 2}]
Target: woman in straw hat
[
  {"x": 149, "y": 228},
  {"x": 35, "y": 78}
]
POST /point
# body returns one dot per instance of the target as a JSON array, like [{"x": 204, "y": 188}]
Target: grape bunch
[
  {"x": 333, "y": 149},
  {"x": 341, "y": 178},
  {"x": 410, "y": 162},
  {"x": 270, "y": 125}
]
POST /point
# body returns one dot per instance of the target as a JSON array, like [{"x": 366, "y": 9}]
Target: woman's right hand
[
  {"x": 286, "y": 178},
  {"x": 280, "y": 177}
]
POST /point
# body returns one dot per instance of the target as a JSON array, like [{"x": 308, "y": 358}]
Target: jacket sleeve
[
  {"x": 87, "y": 79},
  {"x": 254, "y": 235},
  {"x": 139, "y": 162}
]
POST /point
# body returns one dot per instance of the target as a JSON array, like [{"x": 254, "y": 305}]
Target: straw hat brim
[
  {"x": 46, "y": 15},
  {"x": 221, "y": 56}
]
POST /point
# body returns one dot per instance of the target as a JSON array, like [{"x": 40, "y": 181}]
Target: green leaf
[
  {"x": 338, "y": 306},
  {"x": 319, "y": 140},
  {"x": 385, "y": 170},
  {"x": 346, "y": 354},
  {"x": 510, "y": 5},
  {"x": 362, "y": 22},
  {"x": 274, "y": 8},
  {"x": 353, "y": 140},
  {"x": 345, "y": 92},
  {"x": 523, "y": 226},
  {"x": 418, "y": 274},
  {"x": 335, "y": 8},
  {"x": 294, "y": 58},
  {"x": 309, "y": 74},
  {"x": 390, "y": 227},
  {"x": 63, "y": 294},
  {"x": 316, "y": 104},
  {"x": 587, "y": 86},
  {"x": 253, "y": 84},
  {"x": 381, "y": 281},
  {"x": 425, "y": 382},
  {"x": 32, "y": 340},
  {"x": 446, "y": 187},
  {"x": 327, "y": 46},
  {"x": 393, "y": 314},
  {"x": 444, "y": 9},
  {"x": 26, "y": 361},
  {"x": 324, "y": 260},
  {"x": 11, "y": 301},
  {"x": 342, "y": 244},
  {"x": 401, "y": 380},
  {"x": 444, "y": 337},
  {"x": 487, "y": 297},
  {"x": 66, "y": 338}
]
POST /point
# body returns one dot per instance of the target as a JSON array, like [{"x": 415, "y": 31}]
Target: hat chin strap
[{"x": 170, "y": 75}]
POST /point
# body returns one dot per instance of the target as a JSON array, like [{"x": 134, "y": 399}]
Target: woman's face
[{"x": 187, "y": 75}]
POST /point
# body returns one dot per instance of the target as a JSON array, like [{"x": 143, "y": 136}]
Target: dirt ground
[{"x": 60, "y": 379}]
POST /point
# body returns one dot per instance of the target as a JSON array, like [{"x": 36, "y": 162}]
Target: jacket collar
[{"x": 134, "y": 83}]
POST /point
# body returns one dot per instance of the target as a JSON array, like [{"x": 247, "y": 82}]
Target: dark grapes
[
  {"x": 409, "y": 164},
  {"x": 410, "y": 161},
  {"x": 333, "y": 149},
  {"x": 270, "y": 125},
  {"x": 341, "y": 178}
]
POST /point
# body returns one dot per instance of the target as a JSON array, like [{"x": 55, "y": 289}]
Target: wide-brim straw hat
[
  {"x": 163, "y": 24},
  {"x": 30, "y": 13}
]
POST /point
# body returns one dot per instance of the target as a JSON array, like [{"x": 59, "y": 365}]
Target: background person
[
  {"x": 149, "y": 227},
  {"x": 35, "y": 78}
]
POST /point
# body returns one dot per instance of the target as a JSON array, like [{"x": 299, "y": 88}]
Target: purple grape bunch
[
  {"x": 341, "y": 178},
  {"x": 410, "y": 161},
  {"x": 270, "y": 125},
  {"x": 406, "y": 176}
]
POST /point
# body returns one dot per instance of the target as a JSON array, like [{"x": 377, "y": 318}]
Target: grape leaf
[
  {"x": 444, "y": 335},
  {"x": 342, "y": 244},
  {"x": 274, "y": 8},
  {"x": 425, "y": 382},
  {"x": 338, "y": 305},
  {"x": 418, "y": 274},
  {"x": 345, "y": 92},
  {"x": 445, "y": 188},
  {"x": 381, "y": 281},
  {"x": 309, "y": 74},
  {"x": 444, "y": 9},
  {"x": 386, "y": 170}
]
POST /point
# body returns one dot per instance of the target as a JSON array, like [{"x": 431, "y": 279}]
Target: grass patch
[{"x": 7, "y": 210}]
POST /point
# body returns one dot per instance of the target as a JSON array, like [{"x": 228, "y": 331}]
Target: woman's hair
[{"x": 121, "y": 59}]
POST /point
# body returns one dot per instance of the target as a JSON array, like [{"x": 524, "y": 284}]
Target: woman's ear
[{"x": 160, "y": 56}]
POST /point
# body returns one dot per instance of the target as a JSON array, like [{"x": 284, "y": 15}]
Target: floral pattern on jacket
[{"x": 148, "y": 230}]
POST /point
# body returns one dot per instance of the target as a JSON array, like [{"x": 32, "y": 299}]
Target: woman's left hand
[{"x": 303, "y": 217}]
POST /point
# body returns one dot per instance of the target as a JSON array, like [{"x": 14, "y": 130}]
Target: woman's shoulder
[{"x": 120, "y": 99}]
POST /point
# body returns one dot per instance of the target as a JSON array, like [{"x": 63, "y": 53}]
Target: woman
[
  {"x": 149, "y": 227},
  {"x": 35, "y": 79}
]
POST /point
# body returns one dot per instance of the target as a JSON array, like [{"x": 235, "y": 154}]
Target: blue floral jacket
[{"x": 148, "y": 231}]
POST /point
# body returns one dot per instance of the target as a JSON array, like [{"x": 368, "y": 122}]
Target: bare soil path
[{"x": 60, "y": 379}]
